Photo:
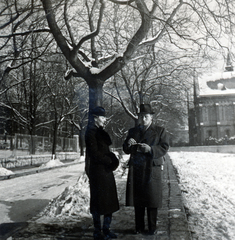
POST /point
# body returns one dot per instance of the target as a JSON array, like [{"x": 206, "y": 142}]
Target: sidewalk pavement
[
  {"x": 172, "y": 222},
  {"x": 172, "y": 217}
]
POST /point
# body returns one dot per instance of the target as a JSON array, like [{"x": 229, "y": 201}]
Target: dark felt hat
[
  {"x": 98, "y": 111},
  {"x": 114, "y": 162},
  {"x": 145, "y": 109}
]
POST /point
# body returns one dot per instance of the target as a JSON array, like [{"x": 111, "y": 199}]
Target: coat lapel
[{"x": 148, "y": 135}]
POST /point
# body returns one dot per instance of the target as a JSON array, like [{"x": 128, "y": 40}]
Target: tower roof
[{"x": 218, "y": 83}]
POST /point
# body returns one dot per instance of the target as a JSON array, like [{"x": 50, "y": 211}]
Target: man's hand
[
  {"x": 145, "y": 148},
  {"x": 131, "y": 142}
]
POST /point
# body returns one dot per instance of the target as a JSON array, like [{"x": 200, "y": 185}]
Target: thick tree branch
[
  {"x": 94, "y": 33},
  {"x": 60, "y": 39},
  {"x": 25, "y": 33},
  {"x": 124, "y": 2},
  {"x": 71, "y": 56},
  {"x": 123, "y": 105},
  {"x": 167, "y": 24},
  {"x": 67, "y": 23}
]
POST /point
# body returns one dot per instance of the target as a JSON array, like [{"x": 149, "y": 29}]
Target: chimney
[{"x": 229, "y": 66}]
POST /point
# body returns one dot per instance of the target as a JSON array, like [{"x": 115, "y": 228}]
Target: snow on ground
[
  {"x": 52, "y": 163},
  {"x": 81, "y": 159},
  {"x": 74, "y": 200},
  {"x": 207, "y": 182},
  {"x": 5, "y": 172}
]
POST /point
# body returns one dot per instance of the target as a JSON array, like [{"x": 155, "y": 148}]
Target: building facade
[{"x": 213, "y": 115}]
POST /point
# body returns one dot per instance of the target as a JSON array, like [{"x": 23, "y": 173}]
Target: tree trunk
[
  {"x": 54, "y": 138},
  {"x": 81, "y": 143},
  {"x": 95, "y": 96}
]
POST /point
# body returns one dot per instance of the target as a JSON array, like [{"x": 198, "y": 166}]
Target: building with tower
[{"x": 213, "y": 114}]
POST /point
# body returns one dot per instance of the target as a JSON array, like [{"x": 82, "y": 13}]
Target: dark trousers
[
  {"x": 106, "y": 222},
  {"x": 139, "y": 218}
]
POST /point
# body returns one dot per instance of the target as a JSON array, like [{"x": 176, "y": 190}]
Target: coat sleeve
[
  {"x": 160, "y": 146},
  {"x": 93, "y": 150},
  {"x": 127, "y": 149}
]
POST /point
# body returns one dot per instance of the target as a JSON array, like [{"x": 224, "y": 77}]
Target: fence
[{"x": 36, "y": 144}]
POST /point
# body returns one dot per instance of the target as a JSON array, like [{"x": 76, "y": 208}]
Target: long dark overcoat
[
  {"x": 103, "y": 192},
  {"x": 144, "y": 182}
]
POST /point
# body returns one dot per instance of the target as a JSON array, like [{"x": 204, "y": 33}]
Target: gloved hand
[
  {"x": 131, "y": 142},
  {"x": 145, "y": 148}
]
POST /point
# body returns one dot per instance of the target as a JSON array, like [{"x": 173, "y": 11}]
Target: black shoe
[
  {"x": 139, "y": 231},
  {"x": 109, "y": 235},
  {"x": 152, "y": 232},
  {"x": 98, "y": 236}
]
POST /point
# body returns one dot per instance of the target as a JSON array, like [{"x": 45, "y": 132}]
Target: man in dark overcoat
[
  {"x": 147, "y": 144},
  {"x": 99, "y": 166}
]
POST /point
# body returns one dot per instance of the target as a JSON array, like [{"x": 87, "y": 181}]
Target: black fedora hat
[
  {"x": 146, "y": 109},
  {"x": 98, "y": 111}
]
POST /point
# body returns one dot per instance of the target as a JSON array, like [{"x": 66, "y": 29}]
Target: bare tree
[
  {"x": 84, "y": 31},
  {"x": 159, "y": 78},
  {"x": 20, "y": 20},
  {"x": 195, "y": 25},
  {"x": 99, "y": 37}
]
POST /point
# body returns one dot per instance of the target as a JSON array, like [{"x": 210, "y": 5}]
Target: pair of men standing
[{"x": 146, "y": 144}]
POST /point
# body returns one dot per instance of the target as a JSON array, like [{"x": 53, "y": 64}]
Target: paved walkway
[{"x": 172, "y": 222}]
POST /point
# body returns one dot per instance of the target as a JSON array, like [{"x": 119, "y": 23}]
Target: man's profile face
[
  {"x": 146, "y": 119},
  {"x": 100, "y": 121}
]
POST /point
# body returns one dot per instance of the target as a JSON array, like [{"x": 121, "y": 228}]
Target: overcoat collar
[{"x": 146, "y": 134}]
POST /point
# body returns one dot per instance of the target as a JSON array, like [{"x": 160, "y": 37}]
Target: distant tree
[
  {"x": 89, "y": 39},
  {"x": 58, "y": 105},
  {"x": 20, "y": 21},
  {"x": 99, "y": 38},
  {"x": 159, "y": 78}
]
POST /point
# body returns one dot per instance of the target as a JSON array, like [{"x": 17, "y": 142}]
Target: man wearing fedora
[
  {"x": 99, "y": 165},
  {"x": 146, "y": 144}
]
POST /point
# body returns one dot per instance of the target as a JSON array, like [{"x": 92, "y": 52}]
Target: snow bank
[
  {"x": 207, "y": 183},
  {"x": 52, "y": 163},
  {"x": 74, "y": 200},
  {"x": 5, "y": 172},
  {"x": 81, "y": 159}
]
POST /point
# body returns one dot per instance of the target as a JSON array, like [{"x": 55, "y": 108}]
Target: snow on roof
[{"x": 205, "y": 90}]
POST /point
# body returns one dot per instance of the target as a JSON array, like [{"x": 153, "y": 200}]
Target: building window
[
  {"x": 209, "y": 133},
  {"x": 227, "y": 132},
  {"x": 229, "y": 113},
  {"x": 206, "y": 114},
  {"x": 212, "y": 115}
]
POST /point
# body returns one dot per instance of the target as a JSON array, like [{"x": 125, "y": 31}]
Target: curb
[
  {"x": 173, "y": 212},
  {"x": 34, "y": 171}
]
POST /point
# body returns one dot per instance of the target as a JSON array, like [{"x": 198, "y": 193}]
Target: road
[{"x": 24, "y": 197}]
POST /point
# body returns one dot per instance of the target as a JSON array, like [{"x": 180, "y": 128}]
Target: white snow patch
[
  {"x": 204, "y": 90},
  {"x": 94, "y": 70},
  {"x": 5, "y": 172},
  {"x": 81, "y": 159},
  {"x": 207, "y": 184},
  {"x": 52, "y": 163},
  {"x": 74, "y": 200},
  {"x": 69, "y": 71}
]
